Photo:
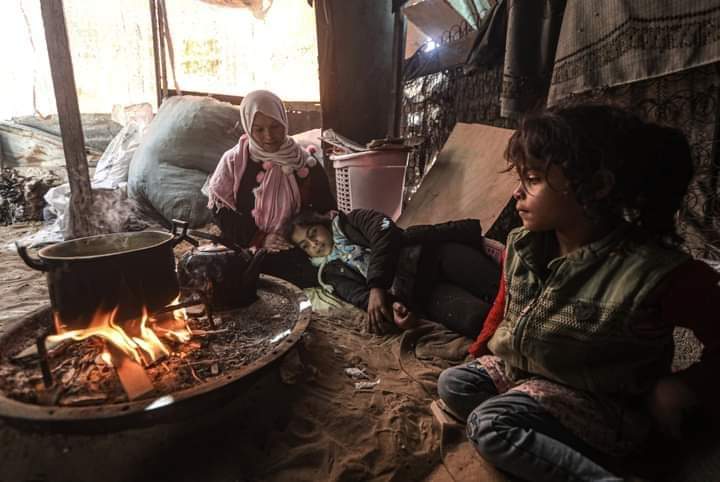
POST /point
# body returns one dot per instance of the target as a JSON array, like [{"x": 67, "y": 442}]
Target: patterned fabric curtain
[{"x": 615, "y": 42}]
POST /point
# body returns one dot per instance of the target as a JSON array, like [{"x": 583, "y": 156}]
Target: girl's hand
[
  {"x": 275, "y": 243},
  {"x": 379, "y": 314}
]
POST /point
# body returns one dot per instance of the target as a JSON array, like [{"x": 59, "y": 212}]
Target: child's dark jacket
[{"x": 390, "y": 248}]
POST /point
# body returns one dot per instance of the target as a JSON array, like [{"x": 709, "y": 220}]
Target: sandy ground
[
  {"x": 304, "y": 420},
  {"x": 21, "y": 288}
]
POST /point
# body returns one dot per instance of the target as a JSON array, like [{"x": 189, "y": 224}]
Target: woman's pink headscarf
[{"x": 277, "y": 198}]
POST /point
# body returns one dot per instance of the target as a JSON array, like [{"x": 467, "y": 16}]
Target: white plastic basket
[{"x": 371, "y": 180}]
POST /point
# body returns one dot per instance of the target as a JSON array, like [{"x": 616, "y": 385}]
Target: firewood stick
[
  {"x": 171, "y": 308},
  {"x": 208, "y": 332},
  {"x": 132, "y": 375}
]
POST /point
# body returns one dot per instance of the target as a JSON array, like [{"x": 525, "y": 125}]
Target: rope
[{"x": 167, "y": 38}]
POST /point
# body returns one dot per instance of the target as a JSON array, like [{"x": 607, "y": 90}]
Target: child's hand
[
  {"x": 403, "y": 318},
  {"x": 379, "y": 315},
  {"x": 275, "y": 243}
]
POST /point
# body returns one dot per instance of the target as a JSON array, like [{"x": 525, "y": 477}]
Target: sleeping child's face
[{"x": 316, "y": 240}]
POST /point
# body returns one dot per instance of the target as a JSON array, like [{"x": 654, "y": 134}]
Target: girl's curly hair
[{"x": 651, "y": 165}]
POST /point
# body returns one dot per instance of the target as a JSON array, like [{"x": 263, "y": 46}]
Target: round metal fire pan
[{"x": 162, "y": 409}]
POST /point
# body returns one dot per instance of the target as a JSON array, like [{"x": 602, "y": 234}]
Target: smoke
[{"x": 112, "y": 211}]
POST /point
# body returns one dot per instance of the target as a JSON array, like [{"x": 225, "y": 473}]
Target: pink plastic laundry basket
[{"x": 371, "y": 180}]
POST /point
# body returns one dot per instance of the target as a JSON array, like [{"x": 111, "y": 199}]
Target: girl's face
[
  {"x": 267, "y": 132},
  {"x": 316, "y": 240},
  {"x": 545, "y": 200}
]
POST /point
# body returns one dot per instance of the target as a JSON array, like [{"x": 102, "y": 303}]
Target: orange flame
[
  {"x": 144, "y": 348},
  {"x": 107, "y": 358}
]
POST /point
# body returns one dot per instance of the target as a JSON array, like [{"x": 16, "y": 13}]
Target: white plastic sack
[
  {"x": 57, "y": 199},
  {"x": 112, "y": 168}
]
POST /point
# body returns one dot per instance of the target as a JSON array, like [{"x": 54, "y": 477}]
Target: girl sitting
[
  {"x": 366, "y": 260},
  {"x": 593, "y": 284}
]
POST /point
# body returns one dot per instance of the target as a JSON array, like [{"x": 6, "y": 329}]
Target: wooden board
[
  {"x": 466, "y": 180},
  {"x": 433, "y": 17}
]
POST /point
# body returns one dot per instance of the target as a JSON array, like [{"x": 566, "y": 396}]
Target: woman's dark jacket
[{"x": 391, "y": 248}]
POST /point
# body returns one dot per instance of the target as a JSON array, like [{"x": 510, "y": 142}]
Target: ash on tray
[{"x": 82, "y": 377}]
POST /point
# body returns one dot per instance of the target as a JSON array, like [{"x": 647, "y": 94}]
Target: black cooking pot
[{"x": 125, "y": 270}]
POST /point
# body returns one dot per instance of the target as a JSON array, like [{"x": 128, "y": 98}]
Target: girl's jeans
[{"x": 513, "y": 431}]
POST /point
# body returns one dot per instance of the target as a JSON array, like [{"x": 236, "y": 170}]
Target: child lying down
[{"x": 436, "y": 271}]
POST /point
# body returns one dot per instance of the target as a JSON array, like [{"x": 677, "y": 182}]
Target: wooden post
[
  {"x": 160, "y": 7},
  {"x": 69, "y": 117},
  {"x": 156, "y": 51}
]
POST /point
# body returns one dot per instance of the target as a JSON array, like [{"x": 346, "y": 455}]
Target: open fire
[
  {"x": 140, "y": 340},
  {"x": 130, "y": 346},
  {"x": 117, "y": 368}
]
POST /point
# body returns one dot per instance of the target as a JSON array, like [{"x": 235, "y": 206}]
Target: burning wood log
[{"x": 132, "y": 375}]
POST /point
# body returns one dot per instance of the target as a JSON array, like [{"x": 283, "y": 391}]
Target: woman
[{"x": 264, "y": 181}]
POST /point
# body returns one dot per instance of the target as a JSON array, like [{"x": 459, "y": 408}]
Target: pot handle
[
  {"x": 183, "y": 236},
  {"x": 37, "y": 264}
]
